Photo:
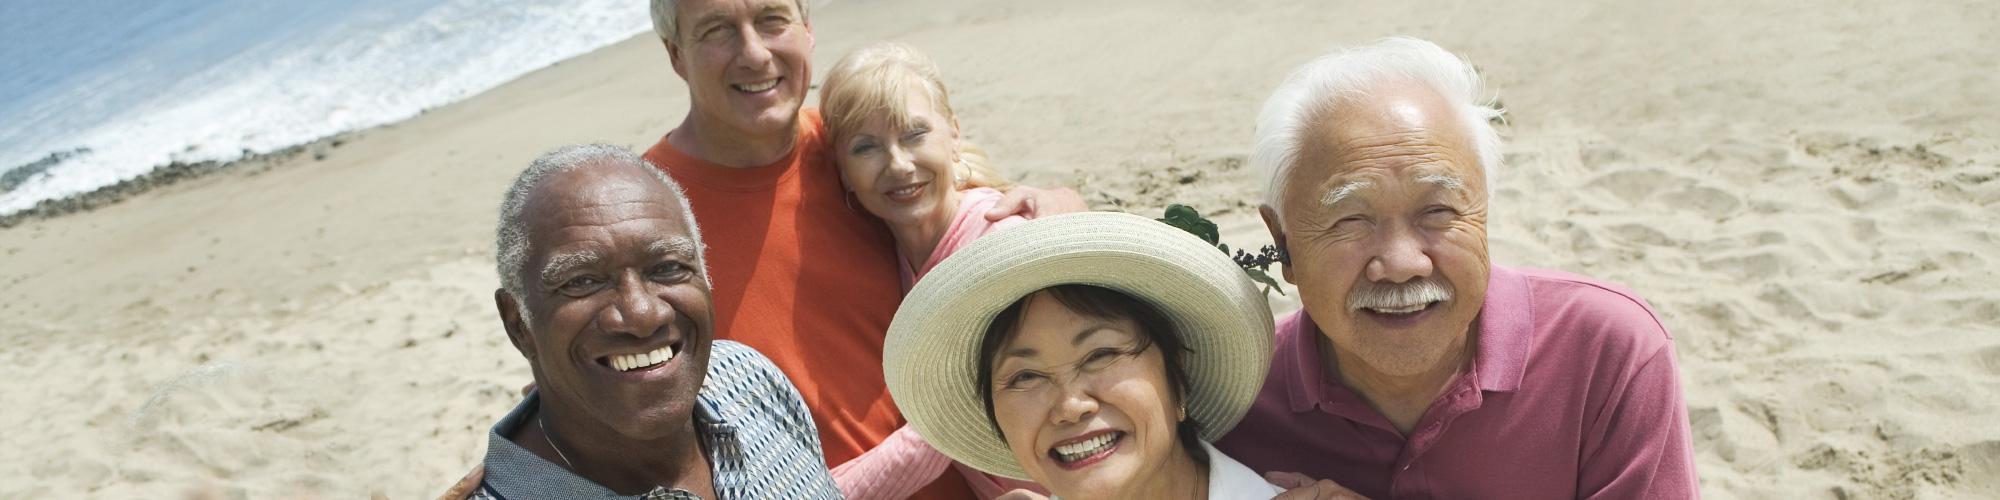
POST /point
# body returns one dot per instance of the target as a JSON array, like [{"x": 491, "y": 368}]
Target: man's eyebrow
[
  {"x": 783, "y": 8},
  {"x": 1336, "y": 195},
  {"x": 704, "y": 21},
  {"x": 563, "y": 263},
  {"x": 1447, "y": 181},
  {"x": 672, "y": 245}
]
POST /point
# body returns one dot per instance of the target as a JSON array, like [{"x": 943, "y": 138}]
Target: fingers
[
  {"x": 1021, "y": 495},
  {"x": 1032, "y": 202},
  {"x": 465, "y": 486},
  {"x": 1302, "y": 487},
  {"x": 1012, "y": 203},
  {"x": 1288, "y": 480},
  {"x": 1062, "y": 201}
]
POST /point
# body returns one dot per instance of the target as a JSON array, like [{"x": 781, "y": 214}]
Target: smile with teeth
[
  {"x": 1409, "y": 309},
  {"x": 757, "y": 86},
  {"x": 629, "y": 362},
  {"x": 1087, "y": 448},
  {"x": 906, "y": 192}
]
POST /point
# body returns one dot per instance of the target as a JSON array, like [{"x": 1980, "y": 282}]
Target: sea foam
[{"x": 98, "y": 125}]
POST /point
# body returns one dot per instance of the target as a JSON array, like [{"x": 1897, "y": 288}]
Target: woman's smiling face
[
  {"x": 901, "y": 167},
  {"x": 1083, "y": 402}
]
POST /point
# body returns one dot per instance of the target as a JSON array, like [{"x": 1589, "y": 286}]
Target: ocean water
[{"x": 93, "y": 92}]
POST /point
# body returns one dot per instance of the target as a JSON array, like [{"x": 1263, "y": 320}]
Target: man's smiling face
[
  {"x": 748, "y": 63},
  {"x": 619, "y": 323},
  {"x": 1385, "y": 224}
]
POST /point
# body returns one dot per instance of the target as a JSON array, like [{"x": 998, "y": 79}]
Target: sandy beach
[{"x": 1805, "y": 192}]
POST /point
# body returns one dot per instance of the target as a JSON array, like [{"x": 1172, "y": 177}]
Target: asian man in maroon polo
[
  {"x": 1419, "y": 369},
  {"x": 800, "y": 273}
]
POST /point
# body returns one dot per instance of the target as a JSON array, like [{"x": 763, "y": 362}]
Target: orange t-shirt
[{"x": 806, "y": 280}]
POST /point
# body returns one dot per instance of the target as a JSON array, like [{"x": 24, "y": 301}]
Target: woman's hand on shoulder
[
  {"x": 1300, "y": 487},
  {"x": 1020, "y": 495},
  {"x": 1033, "y": 202}
]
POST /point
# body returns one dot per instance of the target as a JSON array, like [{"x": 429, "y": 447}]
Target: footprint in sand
[
  {"x": 1707, "y": 201},
  {"x": 1643, "y": 234},
  {"x": 1982, "y": 467},
  {"x": 1861, "y": 195},
  {"x": 1759, "y": 265},
  {"x": 227, "y": 417},
  {"x": 1636, "y": 185}
]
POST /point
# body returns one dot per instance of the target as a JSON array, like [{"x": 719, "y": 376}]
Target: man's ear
[
  {"x": 510, "y": 317},
  {"x": 1277, "y": 227},
  {"x": 674, "y": 55}
]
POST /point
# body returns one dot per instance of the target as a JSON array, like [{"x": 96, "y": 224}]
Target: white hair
[
  {"x": 664, "y": 17},
  {"x": 511, "y": 243},
  {"x": 1314, "y": 90}
]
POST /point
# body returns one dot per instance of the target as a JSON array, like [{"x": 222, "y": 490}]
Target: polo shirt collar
[
  {"x": 1505, "y": 321},
  {"x": 511, "y": 468}
]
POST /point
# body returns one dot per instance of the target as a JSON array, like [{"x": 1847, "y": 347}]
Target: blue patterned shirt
[{"x": 760, "y": 440}]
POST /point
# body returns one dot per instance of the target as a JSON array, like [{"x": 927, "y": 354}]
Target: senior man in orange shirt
[{"x": 800, "y": 274}]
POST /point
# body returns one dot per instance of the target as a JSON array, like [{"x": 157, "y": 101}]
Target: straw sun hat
[{"x": 933, "y": 346}]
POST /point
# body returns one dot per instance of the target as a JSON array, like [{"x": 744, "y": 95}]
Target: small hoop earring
[{"x": 850, "y": 199}]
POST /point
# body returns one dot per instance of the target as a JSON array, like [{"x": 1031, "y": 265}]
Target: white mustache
[{"x": 1371, "y": 295}]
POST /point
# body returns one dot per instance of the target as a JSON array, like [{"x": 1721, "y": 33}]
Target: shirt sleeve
[
  {"x": 990, "y": 486},
  {"x": 1640, "y": 446},
  {"x": 895, "y": 469}
]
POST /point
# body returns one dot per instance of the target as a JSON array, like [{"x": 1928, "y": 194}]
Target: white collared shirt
[{"x": 1231, "y": 480}]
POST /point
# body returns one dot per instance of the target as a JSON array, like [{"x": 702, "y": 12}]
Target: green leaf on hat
[
  {"x": 1270, "y": 285},
  {"x": 1187, "y": 219}
]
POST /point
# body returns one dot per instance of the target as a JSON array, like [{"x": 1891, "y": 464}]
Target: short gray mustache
[{"x": 1369, "y": 294}]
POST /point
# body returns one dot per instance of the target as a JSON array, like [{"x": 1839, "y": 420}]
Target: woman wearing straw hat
[{"x": 1096, "y": 353}]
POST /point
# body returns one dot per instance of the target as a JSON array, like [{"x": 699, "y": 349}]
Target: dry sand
[{"x": 1805, "y": 191}]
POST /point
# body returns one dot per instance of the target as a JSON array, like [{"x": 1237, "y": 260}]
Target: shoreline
[{"x": 175, "y": 173}]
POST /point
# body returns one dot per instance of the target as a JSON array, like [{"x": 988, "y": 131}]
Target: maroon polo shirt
[{"x": 1572, "y": 393}]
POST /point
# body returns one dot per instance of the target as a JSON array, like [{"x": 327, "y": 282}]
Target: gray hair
[
  {"x": 511, "y": 244},
  {"x": 1315, "y": 89},
  {"x": 664, "y": 17}
]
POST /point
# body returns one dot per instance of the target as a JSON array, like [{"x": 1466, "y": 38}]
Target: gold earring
[{"x": 1183, "y": 412}]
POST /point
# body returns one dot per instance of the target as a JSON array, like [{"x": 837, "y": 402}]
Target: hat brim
[{"x": 932, "y": 348}]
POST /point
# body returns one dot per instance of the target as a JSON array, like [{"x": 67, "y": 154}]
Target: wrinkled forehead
[
  {"x": 605, "y": 196},
  {"x": 691, "y": 14},
  {"x": 1404, "y": 130}
]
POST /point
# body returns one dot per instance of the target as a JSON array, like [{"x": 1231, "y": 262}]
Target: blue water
[{"x": 117, "y": 88}]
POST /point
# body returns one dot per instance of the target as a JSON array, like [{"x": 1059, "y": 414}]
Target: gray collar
[{"x": 516, "y": 473}]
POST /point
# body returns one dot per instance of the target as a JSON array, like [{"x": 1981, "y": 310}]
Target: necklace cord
[{"x": 552, "y": 443}]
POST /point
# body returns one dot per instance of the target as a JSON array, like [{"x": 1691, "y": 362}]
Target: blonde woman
[{"x": 902, "y": 158}]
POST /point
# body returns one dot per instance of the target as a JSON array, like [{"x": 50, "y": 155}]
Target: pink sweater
[{"x": 904, "y": 463}]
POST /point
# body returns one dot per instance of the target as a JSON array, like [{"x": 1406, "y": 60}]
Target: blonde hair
[{"x": 876, "y": 80}]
